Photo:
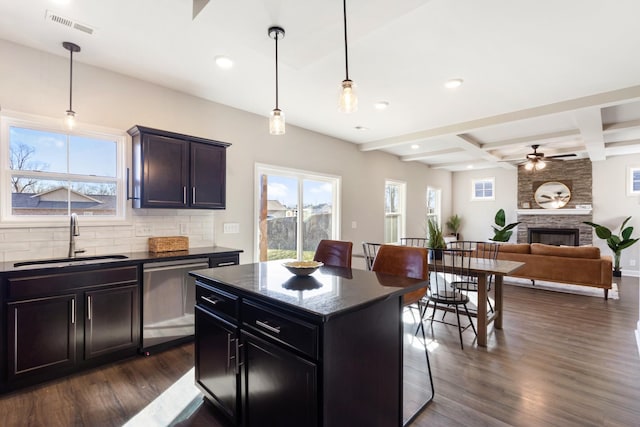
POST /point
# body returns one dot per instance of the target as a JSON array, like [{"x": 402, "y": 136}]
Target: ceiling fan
[{"x": 537, "y": 160}]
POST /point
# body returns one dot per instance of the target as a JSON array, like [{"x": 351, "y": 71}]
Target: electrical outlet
[
  {"x": 354, "y": 224},
  {"x": 231, "y": 227},
  {"x": 184, "y": 228},
  {"x": 632, "y": 262},
  {"x": 144, "y": 230}
]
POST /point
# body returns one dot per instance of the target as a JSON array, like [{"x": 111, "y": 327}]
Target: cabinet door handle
[
  {"x": 224, "y": 264},
  {"x": 193, "y": 195},
  {"x": 89, "y": 308},
  {"x": 73, "y": 311},
  {"x": 212, "y": 300},
  {"x": 237, "y": 357},
  {"x": 274, "y": 329},
  {"x": 184, "y": 195},
  {"x": 228, "y": 351}
]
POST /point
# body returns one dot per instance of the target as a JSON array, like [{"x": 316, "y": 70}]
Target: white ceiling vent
[{"x": 67, "y": 22}]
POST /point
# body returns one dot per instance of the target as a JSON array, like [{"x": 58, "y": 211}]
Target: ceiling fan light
[
  {"x": 348, "y": 98},
  {"x": 529, "y": 165},
  {"x": 540, "y": 165},
  {"x": 276, "y": 122}
]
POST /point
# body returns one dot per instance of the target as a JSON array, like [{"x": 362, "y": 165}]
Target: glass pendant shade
[
  {"x": 70, "y": 119},
  {"x": 276, "y": 122},
  {"x": 348, "y": 98}
]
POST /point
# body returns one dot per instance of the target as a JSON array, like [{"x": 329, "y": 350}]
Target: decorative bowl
[{"x": 302, "y": 268}]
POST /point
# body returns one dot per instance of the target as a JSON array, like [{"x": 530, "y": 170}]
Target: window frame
[
  {"x": 438, "y": 208},
  {"x": 490, "y": 180},
  {"x": 10, "y": 119},
  {"x": 301, "y": 175},
  {"x": 402, "y": 205},
  {"x": 631, "y": 170}
]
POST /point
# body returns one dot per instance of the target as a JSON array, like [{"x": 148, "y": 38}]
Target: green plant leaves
[{"x": 500, "y": 218}]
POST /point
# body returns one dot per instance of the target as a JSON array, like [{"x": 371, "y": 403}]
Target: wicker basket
[{"x": 168, "y": 244}]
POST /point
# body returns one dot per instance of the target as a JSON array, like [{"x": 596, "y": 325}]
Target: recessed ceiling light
[
  {"x": 469, "y": 166},
  {"x": 362, "y": 128},
  {"x": 224, "y": 62},
  {"x": 381, "y": 105},
  {"x": 61, "y": 2},
  {"x": 453, "y": 83},
  {"x": 415, "y": 146}
]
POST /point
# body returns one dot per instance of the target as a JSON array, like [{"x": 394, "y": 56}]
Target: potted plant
[
  {"x": 615, "y": 242},
  {"x": 501, "y": 230},
  {"x": 453, "y": 224},
  {"x": 435, "y": 239}
]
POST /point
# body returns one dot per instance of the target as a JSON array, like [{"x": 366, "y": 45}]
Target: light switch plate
[
  {"x": 231, "y": 227},
  {"x": 144, "y": 230}
]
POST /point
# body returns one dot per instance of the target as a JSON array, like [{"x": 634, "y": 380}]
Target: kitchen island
[{"x": 324, "y": 350}]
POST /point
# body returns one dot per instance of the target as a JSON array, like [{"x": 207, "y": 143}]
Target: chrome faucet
[{"x": 74, "y": 230}]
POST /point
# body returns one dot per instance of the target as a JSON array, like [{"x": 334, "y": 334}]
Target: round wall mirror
[{"x": 552, "y": 195}]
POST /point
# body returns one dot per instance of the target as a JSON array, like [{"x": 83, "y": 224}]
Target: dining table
[{"x": 483, "y": 269}]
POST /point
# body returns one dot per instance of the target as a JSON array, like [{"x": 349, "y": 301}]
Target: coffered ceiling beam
[
  {"x": 533, "y": 139},
  {"x": 429, "y": 154},
  {"x": 589, "y": 121},
  {"x": 599, "y": 100},
  {"x": 613, "y": 127}
]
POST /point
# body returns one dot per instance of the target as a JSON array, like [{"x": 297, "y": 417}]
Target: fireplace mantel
[{"x": 553, "y": 211}]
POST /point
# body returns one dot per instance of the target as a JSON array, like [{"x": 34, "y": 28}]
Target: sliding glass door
[{"x": 295, "y": 210}]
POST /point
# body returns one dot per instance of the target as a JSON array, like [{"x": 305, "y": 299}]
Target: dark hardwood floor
[{"x": 561, "y": 360}]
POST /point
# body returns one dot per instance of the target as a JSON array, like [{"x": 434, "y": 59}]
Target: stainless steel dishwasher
[{"x": 168, "y": 302}]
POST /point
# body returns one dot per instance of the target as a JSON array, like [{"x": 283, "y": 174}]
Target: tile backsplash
[{"x": 23, "y": 243}]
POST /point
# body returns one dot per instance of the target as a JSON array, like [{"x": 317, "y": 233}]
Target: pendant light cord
[
  {"x": 277, "y": 37},
  {"x": 71, "y": 81},
  {"x": 346, "y": 56}
]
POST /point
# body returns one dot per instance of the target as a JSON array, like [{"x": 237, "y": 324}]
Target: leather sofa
[{"x": 577, "y": 265}]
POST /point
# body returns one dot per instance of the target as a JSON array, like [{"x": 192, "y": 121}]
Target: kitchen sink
[{"x": 61, "y": 262}]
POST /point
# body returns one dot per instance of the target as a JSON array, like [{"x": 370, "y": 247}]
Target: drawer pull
[
  {"x": 274, "y": 329},
  {"x": 224, "y": 264},
  {"x": 211, "y": 300}
]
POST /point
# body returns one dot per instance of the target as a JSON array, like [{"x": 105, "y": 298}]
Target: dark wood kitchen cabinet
[
  {"x": 111, "y": 321},
  {"x": 172, "y": 170},
  {"x": 236, "y": 363},
  {"x": 60, "y": 323}
]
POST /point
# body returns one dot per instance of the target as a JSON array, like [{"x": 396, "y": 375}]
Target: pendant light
[
  {"x": 276, "y": 118},
  {"x": 348, "y": 99},
  {"x": 70, "y": 117}
]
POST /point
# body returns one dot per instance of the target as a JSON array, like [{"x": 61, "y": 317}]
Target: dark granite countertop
[
  {"x": 325, "y": 293},
  {"x": 132, "y": 258}
]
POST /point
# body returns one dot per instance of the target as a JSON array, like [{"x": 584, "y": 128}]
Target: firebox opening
[{"x": 555, "y": 236}]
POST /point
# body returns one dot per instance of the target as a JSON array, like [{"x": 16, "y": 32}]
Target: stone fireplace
[{"x": 577, "y": 176}]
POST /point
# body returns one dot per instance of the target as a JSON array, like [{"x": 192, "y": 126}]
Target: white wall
[
  {"x": 611, "y": 204},
  {"x": 478, "y": 216},
  {"x": 37, "y": 83}
]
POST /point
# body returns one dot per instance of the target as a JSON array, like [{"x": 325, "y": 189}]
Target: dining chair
[
  {"x": 370, "y": 251},
  {"x": 336, "y": 253},
  {"x": 420, "y": 242},
  {"x": 484, "y": 250},
  {"x": 443, "y": 292},
  {"x": 410, "y": 262}
]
